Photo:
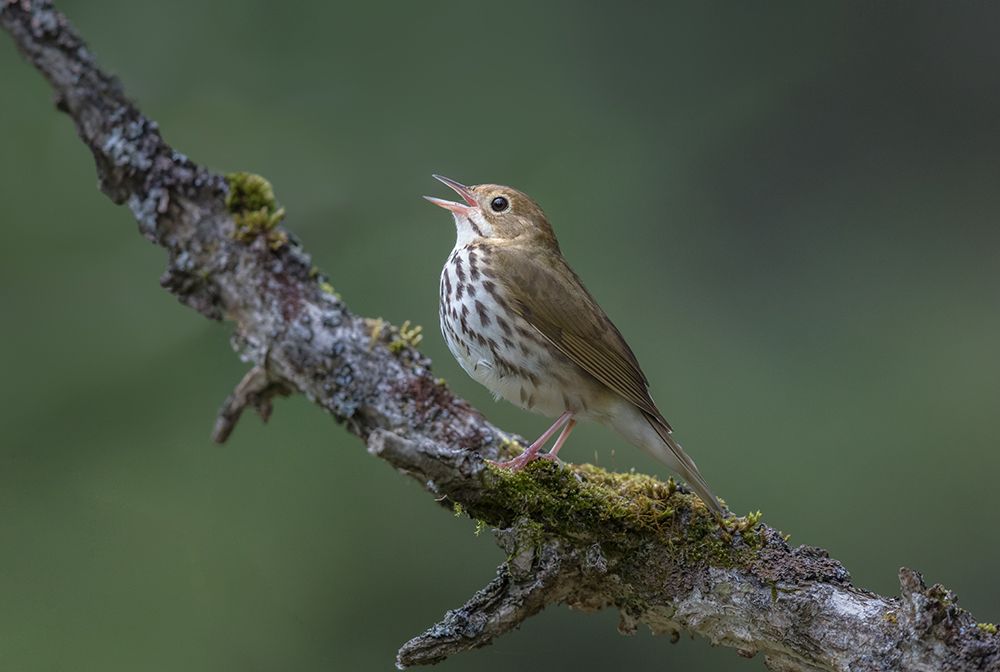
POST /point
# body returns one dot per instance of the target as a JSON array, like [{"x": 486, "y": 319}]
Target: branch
[{"x": 574, "y": 535}]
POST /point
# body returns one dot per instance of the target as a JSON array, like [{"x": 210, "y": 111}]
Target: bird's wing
[{"x": 546, "y": 292}]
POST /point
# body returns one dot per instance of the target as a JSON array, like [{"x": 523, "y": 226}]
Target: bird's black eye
[{"x": 499, "y": 204}]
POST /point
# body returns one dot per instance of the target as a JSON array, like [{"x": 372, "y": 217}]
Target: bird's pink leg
[
  {"x": 551, "y": 455},
  {"x": 531, "y": 453}
]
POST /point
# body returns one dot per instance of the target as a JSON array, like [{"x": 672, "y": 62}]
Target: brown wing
[{"x": 547, "y": 293}]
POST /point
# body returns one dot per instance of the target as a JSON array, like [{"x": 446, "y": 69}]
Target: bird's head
[{"x": 496, "y": 212}]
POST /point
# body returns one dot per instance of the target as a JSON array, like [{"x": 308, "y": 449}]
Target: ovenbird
[{"x": 520, "y": 322}]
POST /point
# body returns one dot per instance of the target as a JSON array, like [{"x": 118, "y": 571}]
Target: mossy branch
[{"x": 577, "y": 535}]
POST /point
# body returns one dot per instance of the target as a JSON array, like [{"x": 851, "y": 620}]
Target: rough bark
[{"x": 573, "y": 535}]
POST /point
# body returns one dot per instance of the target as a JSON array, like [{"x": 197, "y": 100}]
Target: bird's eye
[{"x": 499, "y": 204}]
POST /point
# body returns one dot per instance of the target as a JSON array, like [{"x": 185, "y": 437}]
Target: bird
[{"x": 520, "y": 322}]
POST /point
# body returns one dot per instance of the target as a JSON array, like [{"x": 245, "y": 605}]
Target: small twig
[
  {"x": 256, "y": 390},
  {"x": 503, "y": 604}
]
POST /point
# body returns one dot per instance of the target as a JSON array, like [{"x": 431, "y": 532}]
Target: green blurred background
[{"x": 790, "y": 211}]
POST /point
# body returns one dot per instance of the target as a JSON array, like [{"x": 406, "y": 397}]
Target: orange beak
[{"x": 461, "y": 190}]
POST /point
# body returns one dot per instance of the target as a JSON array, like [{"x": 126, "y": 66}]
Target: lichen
[
  {"x": 255, "y": 210},
  {"x": 577, "y": 501},
  {"x": 988, "y": 628}
]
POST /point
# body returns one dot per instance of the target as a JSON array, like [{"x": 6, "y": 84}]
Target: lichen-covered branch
[{"x": 575, "y": 535}]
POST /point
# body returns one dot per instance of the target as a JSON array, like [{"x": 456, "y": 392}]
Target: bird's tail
[{"x": 674, "y": 456}]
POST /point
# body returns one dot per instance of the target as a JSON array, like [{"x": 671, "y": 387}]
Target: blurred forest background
[{"x": 790, "y": 211}]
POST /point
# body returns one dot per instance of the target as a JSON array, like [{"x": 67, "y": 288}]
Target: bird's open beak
[{"x": 461, "y": 190}]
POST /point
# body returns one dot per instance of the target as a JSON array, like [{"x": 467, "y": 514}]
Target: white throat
[{"x": 471, "y": 227}]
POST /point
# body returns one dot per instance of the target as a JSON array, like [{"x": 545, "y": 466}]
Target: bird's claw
[
  {"x": 514, "y": 464},
  {"x": 524, "y": 459}
]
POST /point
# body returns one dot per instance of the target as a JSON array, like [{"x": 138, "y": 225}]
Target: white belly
[
  {"x": 497, "y": 348},
  {"x": 503, "y": 352}
]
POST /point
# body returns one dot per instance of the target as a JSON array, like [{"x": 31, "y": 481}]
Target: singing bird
[{"x": 520, "y": 322}]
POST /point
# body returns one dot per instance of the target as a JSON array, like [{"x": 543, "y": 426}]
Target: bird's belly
[
  {"x": 504, "y": 353},
  {"x": 498, "y": 372}
]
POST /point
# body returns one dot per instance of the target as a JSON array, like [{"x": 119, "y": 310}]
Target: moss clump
[
  {"x": 406, "y": 336},
  {"x": 585, "y": 502},
  {"x": 509, "y": 446},
  {"x": 255, "y": 211},
  {"x": 376, "y": 325}
]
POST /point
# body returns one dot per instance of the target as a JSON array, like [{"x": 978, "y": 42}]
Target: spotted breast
[{"x": 494, "y": 345}]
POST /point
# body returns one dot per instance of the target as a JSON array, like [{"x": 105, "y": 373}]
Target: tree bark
[{"x": 574, "y": 535}]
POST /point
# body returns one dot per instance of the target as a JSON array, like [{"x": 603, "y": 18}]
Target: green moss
[
  {"x": 529, "y": 533},
  {"x": 941, "y": 595},
  {"x": 576, "y": 501},
  {"x": 988, "y": 628},
  {"x": 509, "y": 447},
  {"x": 249, "y": 192},
  {"x": 255, "y": 211},
  {"x": 376, "y": 325},
  {"x": 406, "y": 336}
]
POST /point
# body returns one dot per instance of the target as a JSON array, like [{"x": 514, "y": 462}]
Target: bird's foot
[
  {"x": 524, "y": 459},
  {"x": 530, "y": 454},
  {"x": 518, "y": 463}
]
